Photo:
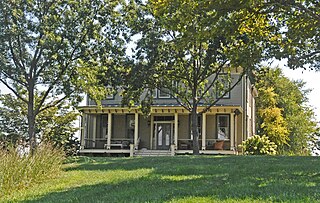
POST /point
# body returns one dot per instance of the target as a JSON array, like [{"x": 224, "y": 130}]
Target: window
[
  {"x": 110, "y": 94},
  {"x": 199, "y": 125},
  {"x": 223, "y": 127},
  {"x": 223, "y": 85},
  {"x": 154, "y": 93},
  {"x": 163, "y": 93},
  {"x": 163, "y": 118},
  {"x": 104, "y": 126},
  {"x": 130, "y": 123}
]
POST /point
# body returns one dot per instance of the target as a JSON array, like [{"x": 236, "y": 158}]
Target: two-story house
[{"x": 113, "y": 129}]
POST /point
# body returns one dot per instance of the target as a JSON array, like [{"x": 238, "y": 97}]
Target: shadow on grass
[
  {"x": 159, "y": 163},
  {"x": 219, "y": 178}
]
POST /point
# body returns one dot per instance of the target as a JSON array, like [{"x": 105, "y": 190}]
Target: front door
[{"x": 164, "y": 134}]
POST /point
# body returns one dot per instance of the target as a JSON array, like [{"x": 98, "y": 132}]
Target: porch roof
[{"x": 156, "y": 109}]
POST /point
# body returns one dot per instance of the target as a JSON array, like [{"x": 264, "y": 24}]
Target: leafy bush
[
  {"x": 19, "y": 170},
  {"x": 259, "y": 145}
]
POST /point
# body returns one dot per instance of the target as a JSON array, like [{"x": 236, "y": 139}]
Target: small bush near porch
[{"x": 181, "y": 179}]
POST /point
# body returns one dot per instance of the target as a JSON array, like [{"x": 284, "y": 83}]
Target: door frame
[{"x": 156, "y": 134}]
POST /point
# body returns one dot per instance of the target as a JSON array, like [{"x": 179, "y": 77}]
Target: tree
[
  {"x": 270, "y": 119},
  {"x": 298, "y": 27},
  {"x": 54, "y": 124},
  {"x": 13, "y": 126},
  {"x": 294, "y": 120},
  {"x": 47, "y": 47},
  {"x": 184, "y": 46}
]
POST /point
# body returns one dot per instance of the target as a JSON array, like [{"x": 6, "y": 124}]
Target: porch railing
[
  {"x": 211, "y": 144},
  {"x": 101, "y": 143}
]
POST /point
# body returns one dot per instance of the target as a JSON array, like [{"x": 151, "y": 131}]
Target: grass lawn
[{"x": 181, "y": 179}]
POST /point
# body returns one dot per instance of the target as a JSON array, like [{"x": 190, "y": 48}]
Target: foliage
[
  {"x": 283, "y": 113},
  {"x": 58, "y": 127},
  {"x": 298, "y": 26},
  {"x": 315, "y": 145},
  {"x": 55, "y": 124},
  {"x": 181, "y": 179},
  {"x": 19, "y": 170},
  {"x": 53, "y": 50},
  {"x": 273, "y": 125},
  {"x": 13, "y": 126},
  {"x": 259, "y": 145},
  {"x": 182, "y": 47}
]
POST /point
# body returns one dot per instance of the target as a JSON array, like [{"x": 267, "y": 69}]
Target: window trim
[
  {"x": 112, "y": 95},
  {"x": 228, "y": 127},
  {"x": 228, "y": 95},
  {"x": 199, "y": 127},
  {"x": 155, "y": 93},
  {"x": 162, "y": 97}
]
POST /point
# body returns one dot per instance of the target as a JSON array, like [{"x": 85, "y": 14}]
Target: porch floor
[{"x": 155, "y": 152}]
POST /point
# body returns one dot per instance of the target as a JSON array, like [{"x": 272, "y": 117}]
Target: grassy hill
[{"x": 181, "y": 179}]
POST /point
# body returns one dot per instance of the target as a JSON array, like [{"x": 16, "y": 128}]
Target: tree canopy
[
  {"x": 56, "y": 49},
  {"x": 184, "y": 46},
  {"x": 297, "y": 23},
  {"x": 283, "y": 113},
  {"x": 56, "y": 124}
]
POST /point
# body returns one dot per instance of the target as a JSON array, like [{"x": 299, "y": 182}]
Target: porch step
[{"x": 152, "y": 153}]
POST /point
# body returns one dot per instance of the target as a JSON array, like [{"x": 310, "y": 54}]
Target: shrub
[
  {"x": 259, "y": 145},
  {"x": 18, "y": 171}
]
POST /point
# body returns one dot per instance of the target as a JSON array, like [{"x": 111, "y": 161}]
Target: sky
[{"x": 312, "y": 79}]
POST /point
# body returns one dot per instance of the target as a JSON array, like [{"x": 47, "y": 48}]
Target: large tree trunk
[
  {"x": 194, "y": 129},
  {"x": 31, "y": 119}
]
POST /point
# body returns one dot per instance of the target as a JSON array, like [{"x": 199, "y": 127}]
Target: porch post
[
  {"x": 94, "y": 131},
  {"x": 232, "y": 131},
  {"x": 136, "y": 133},
  {"x": 204, "y": 130},
  {"x": 131, "y": 150},
  {"x": 152, "y": 131},
  {"x": 176, "y": 116},
  {"x": 109, "y": 131},
  {"x": 83, "y": 129},
  {"x": 236, "y": 131}
]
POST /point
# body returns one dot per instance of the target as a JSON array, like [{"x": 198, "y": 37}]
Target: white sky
[{"x": 312, "y": 79}]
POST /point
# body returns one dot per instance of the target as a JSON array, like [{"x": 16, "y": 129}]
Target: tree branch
[
  {"x": 218, "y": 99},
  {"x": 13, "y": 90},
  {"x": 213, "y": 81},
  {"x": 55, "y": 103},
  {"x": 16, "y": 61}
]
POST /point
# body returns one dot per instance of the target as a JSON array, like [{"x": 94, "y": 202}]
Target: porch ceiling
[{"x": 156, "y": 109}]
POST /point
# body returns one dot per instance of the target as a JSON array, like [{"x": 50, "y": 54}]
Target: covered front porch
[{"x": 167, "y": 129}]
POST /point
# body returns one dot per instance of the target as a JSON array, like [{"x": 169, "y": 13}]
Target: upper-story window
[
  {"x": 110, "y": 94},
  {"x": 223, "y": 86},
  {"x": 163, "y": 93}
]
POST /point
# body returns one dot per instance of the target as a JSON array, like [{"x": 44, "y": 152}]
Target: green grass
[{"x": 181, "y": 179}]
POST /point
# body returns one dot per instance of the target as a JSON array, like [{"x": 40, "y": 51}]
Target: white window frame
[
  {"x": 110, "y": 96},
  {"x": 223, "y": 129},
  {"x": 228, "y": 95},
  {"x": 168, "y": 96},
  {"x": 199, "y": 127},
  {"x": 104, "y": 125},
  {"x": 154, "y": 93}
]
